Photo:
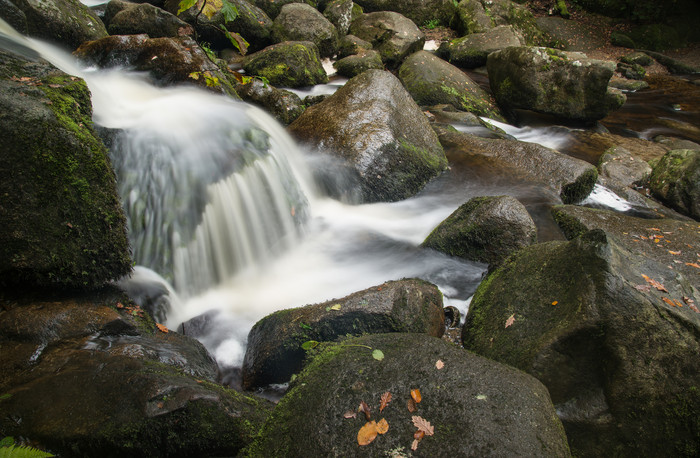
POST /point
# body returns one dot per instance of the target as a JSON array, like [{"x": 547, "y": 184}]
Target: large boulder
[
  {"x": 419, "y": 11},
  {"x": 284, "y": 105},
  {"x": 125, "y": 18},
  {"x": 14, "y": 16},
  {"x": 65, "y": 22},
  {"x": 92, "y": 376},
  {"x": 273, "y": 7},
  {"x": 478, "y": 16},
  {"x": 340, "y": 13},
  {"x": 485, "y": 229},
  {"x": 610, "y": 331},
  {"x": 432, "y": 81},
  {"x": 570, "y": 178},
  {"x": 472, "y": 50},
  {"x": 675, "y": 180},
  {"x": 275, "y": 350},
  {"x": 392, "y": 34},
  {"x": 351, "y": 66},
  {"x": 473, "y": 406},
  {"x": 376, "y": 127},
  {"x": 290, "y": 64},
  {"x": 62, "y": 222},
  {"x": 564, "y": 84},
  {"x": 302, "y": 22}
]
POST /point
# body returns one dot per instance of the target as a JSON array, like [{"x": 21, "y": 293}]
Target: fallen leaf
[
  {"x": 654, "y": 229},
  {"x": 120, "y": 305},
  {"x": 335, "y": 307},
  {"x": 378, "y": 355},
  {"x": 411, "y": 405},
  {"x": 365, "y": 409},
  {"x": 676, "y": 253},
  {"x": 655, "y": 283},
  {"x": 555, "y": 302},
  {"x": 668, "y": 301},
  {"x": 367, "y": 433},
  {"x": 419, "y": 435},
  {"x": 382, "y": 426},
  {"x": 439, "y": 364},
  {"x": 510, "y": 320},
  {"x": 162, "y": 328},
  {"x": 385, "y": 400},
  {"x": 414, "y": 445},
  {"x": 423, "y": 425},
  {"x": 350, "y": 414},
  {"x": 481, "y": 397},
  {"x": 415, "y": 395},
  {"x": 677, "y": 302},
  {"x": 693, "y": 264},
  {"x": 643, "y": 288}
]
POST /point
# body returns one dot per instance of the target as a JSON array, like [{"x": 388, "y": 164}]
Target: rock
[
  {"x": 568, "y": 85},
  {"x": 350, "y": 45},
  {"x": 14, "y": 16},
  {"x": 133, "y": 19},
  {"x": 62, "y": 221},
  {"x": 339, "y": 12},
  {"x": 592, "y": 145},
  {"x": 675, "y": 180},
  {"x": 638, "y": 58},
  {"x": 619, "y": 166},
  {"x": 674, "y": 66},
  {"x": 86, "y": 378},
  {"x": 478, "y": 16},
  {"x": 580, "y": 317},
  {"x": 273, "y": 7},
  {"x": 167, "y": 60},
  {"x": 575, "y": 35},
  {"x": 393, "y": 35},
  {"x": 66, "y": 22},
  {"x": 418, "y": 11},
  {"x": 354, "y": 65},
  {"x": 472, "y": 50},
  {"x": 656, "y": 37},
  {"x": 485, "y": 229},
  {"x": 627, "y": 85},
  {"x": 375, "y": 126},
  {"x": 301, "y": 22},
  {"x": 620, "y": 39},
  {"x": 275, "y": 350},
  {"x": 284, "y": 105},
  {"x": 477, "y": 407},
  {"x": 675, "y": 143},
  {"x": 431, "y": 81},
  {"x": 572, "y": 179},
  {"x": 631, "y": 71},
  {"x": 290, "y": 64}
]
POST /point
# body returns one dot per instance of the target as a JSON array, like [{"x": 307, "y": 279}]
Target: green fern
[{"x": 22, "y": 452}]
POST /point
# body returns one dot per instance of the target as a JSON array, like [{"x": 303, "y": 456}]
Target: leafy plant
[
  {"x": 8, "y": 449},
  {"x": 431, "y": 24},
  {"x": 211, "y": 7}
]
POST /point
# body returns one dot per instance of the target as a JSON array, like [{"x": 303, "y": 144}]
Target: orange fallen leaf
[
  {"x": 385, "y": 399},
  {"x": 654, "y": 229},
  {"x": 367, "y": 433},
  {"x": 655, "y": 283},
  {"x": 693, "y": 264},
  {"x": 419, "y": 434},
  {"x": 510, "y": 320},
  {"x": 675, "y": 253},
  {"x": 415, "y": 394},
  {"x": 668, "y": 301},
  {"x": 555, "y": 302},
  {"x": 382, "y": 426},
  {"x": 439, "y": 364},
  {"x": 162, "y": 328},
  {"x": 423, "y": 425}
]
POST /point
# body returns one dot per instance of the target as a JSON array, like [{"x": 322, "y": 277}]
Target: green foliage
[
  {"x": 22, "y": 452},
  {"x": 229, "y": 11},
  {"x": 431, "y": 24}
]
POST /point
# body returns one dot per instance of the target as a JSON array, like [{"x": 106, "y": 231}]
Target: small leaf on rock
[
  {"x": 423, "y": 425},
  {"x": 309, "y": 344},
  {"x": 365, "y": 408},
  {"x": 439, "y": 364},
  {"x": 162, "y": 328},
  {"x": 335, "y": 307},
  {"x": 415, "y": 395},
  {"x": 382, "y": 426},
  {"x": 414, "y": 445},
  {"x": 411, "y": 405},
  {"x": 510, "y": 320},
  {"x": 367, "y": 433},
  {"x": 385, "y": 400},
  {"x": 378, "y": 355},
  {"x": 350, "y": 414}
]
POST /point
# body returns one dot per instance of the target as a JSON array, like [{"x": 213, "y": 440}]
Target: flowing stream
[{"x": 221, "y": 203}]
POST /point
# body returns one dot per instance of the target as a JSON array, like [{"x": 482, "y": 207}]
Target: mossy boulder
[
  {"x": 275, "y": 350},
  {"x": 392, "y": 34},
  {"x": 616, "y": 354},
  {"x": 14, "y": 16},
  {"x": 91, "y": 376},
  {"x": 619, "y": 167},
  {"x": 273, "y": 7},
  {"x": 472, "y": 50},
  {"x": 374, "y": 125},
  {"x": 168, "y": 60},
  {"x": 419, "y": 11},
  {"x": 284, "y": 105},
  {"x": 570, "y": 178},
  {"x": 63, "y": 225},
  {"x": 302, "y": 22},
  {"x": 675, "y": 180},
  {"x": 340, "y": 13},
  {"x": 350, "y": 45},
  {"x": 351, "y": 66},
  {"x": 477, "y": 407},
  {"x": 65, "y": 22},
  {"x": 290, "y": 64},
  {"x": 432, "y": 81},
  {"x": 124, "y": 18},
  {"x": 478, "y": 16},
  {"x": 638, "y": 58},
  {"x": 485, "y": 229},
  {"x": 564, "y": 84}
]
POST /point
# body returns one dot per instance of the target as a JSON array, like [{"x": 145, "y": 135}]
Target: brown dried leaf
[
  {"x": 643, "y": 288},
  {"x": 365, "y": 408},
  {"x": 415, "y": 395},
  {"x": 382, "y": 426},
  {"x": 350, "y": 414},
  {"x": 655, "y": 283},
  {"x": 411, "y": 405},
  {"x": 162, "y": 328},
  {"x": 385, "y": 400},
  {"x": 693, "y": 264},
  {"x": 414, "y": 445},
  {"x": 676, "y": 253},
  {"x": 423, "y": 425},
  {"x": 367, "y": 433},
  {"x": 439, "y": 364},
  {"x": 510, "y": 320},
  {"x": 668, "y": 301}
]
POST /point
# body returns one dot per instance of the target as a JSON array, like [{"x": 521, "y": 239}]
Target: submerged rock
[
  {"x": 485, "y": 229},
  {"x": 290, "y": 64},
  {"x": 62, "y": 221},
  {"x": 545, "y": 80},
  {"x": 585, "y": 318},
  {"x": 475, "y": 406},
  {"x": 432, "y": 81},
  {"x": 393, "y": 35},
  {"x": 275, "y": 344},
  {"x": 675, "y": 180},
  {"x": 302, "y": 22},
  {"x": 376, "y": 127}
]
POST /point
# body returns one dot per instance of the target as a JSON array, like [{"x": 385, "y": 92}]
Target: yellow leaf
[
  {"x": 336, "y": 307},
  {"x": 382, "y": 426},
  {"x": 415, "y": 394},
  {"x": 367, "y": 433}
]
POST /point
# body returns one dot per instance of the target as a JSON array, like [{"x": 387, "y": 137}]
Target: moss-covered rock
[
  {"x": 392, "y": 34},
  {"x": 374, "y": 125},
  {"x": 432, "y": 81},
  {"x": 419, "y": 11},
  {"x": 284, "y": 105},
  {"x": 290, "y": 64},
  {"x": 476, "y": 407},
  {"x": 352, "y": 66},
  {"x": 546, "y": 80},
  {"x": 63, "y": 225},
  {"x": 472, "y": 50},
  {"x": 485, "y": 229},
  {"x": 350, "y": 44},
  {"x": 339, "y": 12},
  {"x": 90, "y": 376},
  {"x": 131, "y": 19},
  {"x": 675, "y": 180},
  {"x": 14, "y": 16},
  {"x": 275, "y": 350},
  {"x": 616, "y": 354},
  {"x": 301, "y": 22}
]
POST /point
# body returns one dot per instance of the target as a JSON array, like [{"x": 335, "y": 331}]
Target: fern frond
[{"x": 23, "y": 452}]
